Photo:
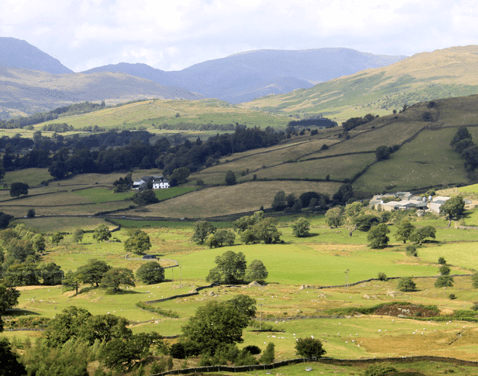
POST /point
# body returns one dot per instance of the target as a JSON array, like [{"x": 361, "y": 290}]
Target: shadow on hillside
[{"x": 21, "y": 312}]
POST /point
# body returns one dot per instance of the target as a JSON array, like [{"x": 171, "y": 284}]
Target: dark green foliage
[
  {"x": 379, "y": 370},
  {"x": 9, "y": 363},
  {"x": 382, "y": 153},
  {"x": 145, "y": 197},
  {"x": 382, "y": 276},
  {"x": 406, "y": 284},
  {"x": 138, "y": 242},
  {"x": 66, "y": 325},
  {"x": 441, "y": 261},
  {"x": 158, "y": 367},
  {"x": 279, "y": 203},
  {"x": 412, "y": 250},
  {"x": 301, "y": 228},
  {"x": 121, "y": 354},
  {"x": 461, "y": 134},
  {"x": 291, "y": 200},
  {"x": 244, "y": 358},
  {"x": 158, "y": 310},
  {"x": 56, "y": 238},
  {"x": 17, "y": 189},
  {"x": 104, "y": 328},
  {"x": 453, "y": 208},
  {"x": 419, "y": 235},
  {"x": 256, "y": 228},
  {"x": 202, "y": 230},
  {"x": 444, "y": 281},
  {"x": 404, "y": 230},
  {"x": 150, "y": 273},
  {"x": 254, "y": 350},
  {"x": 365, "y": 222},
  {"x": 215, "y": 324},
  {"x": 78, "y": 235},
  {"x": 377, "y": 236},
  {"x": 115, "y": 277},
  {"x": 306, "y": 197},
  {"x": 31, "y": 213},
  {"x": 5, "y": 220},
  {"x": 221, "y": 238},
  {"x": 309, "y": 348},
  {"x": 256, "y": 271},
  {"x": 177, "y": 351},
  {"x": 231, "y": 268},
  {"x": 92, "y": 272},
  {"x": 38, "y": 243},
  {"x": 335, "y": 216},
  {"x": 101, "y": 233},
  {"x": 51, "y": 274},
  {"x": 461, "y": 145},
  {"x": 244, "y": 304},
  {"x": 444, "y": 270},
  {"x": 19, "y": 249},
  {"x": 181, "y": 175},
  {"x": 268, "y": 356},
  {"x": 230, "y": 178},
  {"x": 474, "y": 279},
  {"x": 452, "y": 296},
  {"x": 474, "y": 307},
  {"x": 356, "y": 121},
  {"x": 8, "y": 298},
  {"x": 25, "y": 274}
]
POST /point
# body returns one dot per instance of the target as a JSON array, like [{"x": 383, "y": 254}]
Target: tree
[
  {"x": 441, "y": 261},
  {"x": 221, "y": 238},
  {"x": 269, "y": 354},
  {"x": 8, "y": 298},
  {"x": 150, "y": 273},
  {"x": 31, "y": 213},
  {"x": 38, "y": 242},
  {"x": 279, "y": 203},
  {"x": 474, "y": 278},
  {"x": 56, "y": 238},
  {"x": 444, "y": 270},
  {"x": 139, "y": 243},
  {"x": 5, "y": 220},
  {"x": 309, "y": 348},
  {"x": 404, "y": 230},
  {"x": 9, "y": 363},
  {"x": 66, "y": 325},
  {"x": 231, "y": 268},
  {"x": 382, "y": 153},
  {"x": 17, "y": 189},
  {"x": 121, "y": 354},
  {"x": 256, "y": 271},
  {"x": 343, "y": 195},
  {"x": 406, "y": 284},
  {"x": 444, "y": 281},
  {"x": 335, "y": 216},
  {"x": 461, "y": 134},
  {"x": 419, "y": 235},
  {"x": 453, "y": 208},
  {"x": 377, "y": 236},
  {"x": 145, "y": 198},
  {"x": 25, "y": 274},
  {"x": 115, "y": 277},
  {"x": 78, "y": 235},
  {"x": 93, "y": 272},
  {"x": 181, "y": 174},
  {"x": 104, "y": 328},
  {"x": 244, "y": 304},
  {"x": 101, "y": 233},
  {"x": 215, "y": 324},
  {"x": 301, "y": 228},
  {"x": 51, "y": 274},
  {"x": 230, "y": 178},
  {"x": 202, "y": 230}
]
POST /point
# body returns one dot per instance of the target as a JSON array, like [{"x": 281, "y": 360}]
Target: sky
[{"x": 173, "y": 35}]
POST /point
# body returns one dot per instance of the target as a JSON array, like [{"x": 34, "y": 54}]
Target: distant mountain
[
  {"x": 24, "y": 91},
  {"x": 422, "y": 77},
  {"x": 245, "y": 76},
  {"x": 16, "y": 53}
]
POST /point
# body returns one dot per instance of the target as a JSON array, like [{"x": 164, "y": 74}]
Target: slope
[
  {"x": 241, "y": 77},
  {"x": 430, "y": 75},
  {"x": 32, "y": 91}
]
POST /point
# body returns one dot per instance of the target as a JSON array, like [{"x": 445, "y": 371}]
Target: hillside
[
  {"x": 24, "y": 91},
  {"x": 443, "y": 73},
  {"x": 16, "y": 53},
  {"x": 241, "y": 77}
]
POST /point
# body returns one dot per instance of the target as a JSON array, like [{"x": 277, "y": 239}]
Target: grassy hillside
[{"x": 422, "y": 77}]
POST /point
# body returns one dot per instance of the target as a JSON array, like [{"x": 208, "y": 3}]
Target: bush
[
  {"x": 31, "y": 213},
  {"x": 177, "y": 351},
  {"x": 382, "y": 276},
  {"x": 444, "y": 270},
  {"x": 452, "y": 296},
  {"x": 309, "y": 348},
  {"x": 254, "y": 350},
  {"x": 441, "y": 261},
  {"x": 444, "y": 281},
  {"x": 474, "y": 307},
  {"x": 412, "y": 250},
  {"x": 406, "y": 284},
  {"x": 269, "y": 354},
  {"x": 150, "y": 273},
  {"x": 379, "y": 370}
]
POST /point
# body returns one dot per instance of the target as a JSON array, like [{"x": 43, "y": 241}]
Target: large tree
[
  {"x": 256, "y": 271},
  {"x": 230, "y": 178},
  {"x": 404, "y": 230},
  {"x": 301, "y": 228},
  {"x": 453, "y": 208},
  {"x": 116, "y": 277},
  {"x": 66, "y": 325},
  {"x": 419, "y": 235},
  {"x": 9, "y": 362},
  {"x": 150, "y": 273},
  {"x": 101, "y": 233},
  {"x": 279, "y": 203},
  {"x": 202, "y": 230},
  {"x": 231, "y": 268},
  {"x": 17, "y": 189},
  {"x": 335, "y": 216},
  {"x": 8, "y": 298},
  {"x": 93, "y": 272},
  {"x": 377, "y": 236},
  {"x": 216, "y": 324},
  {"x": 138, "y": 242},
  {"x": 145, "y": 197}
]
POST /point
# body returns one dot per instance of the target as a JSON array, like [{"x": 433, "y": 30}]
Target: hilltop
[
  {"x": 450, "y": 72},
  {"x": 251, "y": 74}
]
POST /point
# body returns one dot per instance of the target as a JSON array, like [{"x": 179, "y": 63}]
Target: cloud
[{"x": 173, "y": 35}]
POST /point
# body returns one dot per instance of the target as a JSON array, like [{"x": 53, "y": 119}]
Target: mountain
[
  {"x": 16, "y": 53},
  {"x": 24, "y": 91},
  {"x": 422, "y": 77},
  {"x": 245, "y": 76}
]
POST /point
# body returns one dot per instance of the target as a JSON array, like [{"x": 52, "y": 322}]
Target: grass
[
  {"x": 100, "y": 195},
  {"x": 30, "y": 176},
  {"x": 68, "y": 224}
]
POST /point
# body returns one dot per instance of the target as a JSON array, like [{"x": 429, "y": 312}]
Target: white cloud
[{"x": 173, "y": 35}]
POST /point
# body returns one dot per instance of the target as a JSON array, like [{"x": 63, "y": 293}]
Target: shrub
[
  {"x": 444, "y": 270},
  {"x": 254, "y": 350},
  {"x": 412, "y": 250},
  {"x": 474, "y": 278},
  {"x": 309, "y": 348},
  {"x": 177, "y": 351},
  {"x": 444, "y": 281},
  {"x": 452, "y": 296},
  {"x": 406, "y": 284},
  {"x": 382, "y": 276},
  {"x": 441, "y": 261},
  {"x": 269, "y": 354},
  {"x": 31, "y": 213},
  {"x": 474, "y": 307},
  {"x": 379, "y": 370}
]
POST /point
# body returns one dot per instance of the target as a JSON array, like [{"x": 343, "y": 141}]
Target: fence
[{"x": 195, "y": 292}]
